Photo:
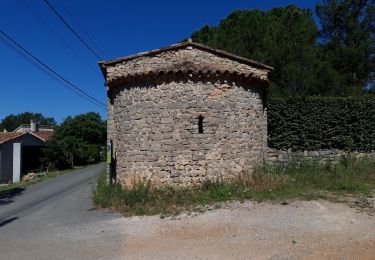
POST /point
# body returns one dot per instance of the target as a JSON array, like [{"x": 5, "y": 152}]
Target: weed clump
[{"x": 305, "y": 180}]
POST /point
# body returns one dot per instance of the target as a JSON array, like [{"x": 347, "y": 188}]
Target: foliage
[
  {"x": 310, "y": 123},
  {"x": 282, "y": 37},
  {"x": 348, "y": 41},
  {"x": 354, "y": 176},
  {"x": 77, "y": 141},
  {"x": 11, "y": 122},
  {"x": 339, "y": 60}
]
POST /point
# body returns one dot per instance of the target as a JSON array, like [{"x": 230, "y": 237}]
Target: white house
[{"x": 20, "y": 150}]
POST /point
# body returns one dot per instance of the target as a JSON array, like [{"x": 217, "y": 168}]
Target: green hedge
[{"x": 310, "y": 123}]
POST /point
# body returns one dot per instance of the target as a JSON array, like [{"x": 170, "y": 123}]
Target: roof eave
[
  {"x": 22, "y": 134},
  {"x": 12, "y": 138},
  {"x": 104, "y": 64},
  {"x": 102, "y": 68},
  {"x": 37, "y": 136}
]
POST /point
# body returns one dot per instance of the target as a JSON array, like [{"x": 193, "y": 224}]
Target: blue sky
[{"x": 118, "y": 28}]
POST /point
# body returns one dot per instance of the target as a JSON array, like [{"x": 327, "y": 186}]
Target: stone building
[{"x": 184, "y": 114}]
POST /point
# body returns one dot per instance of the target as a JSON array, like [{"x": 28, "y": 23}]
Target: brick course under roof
[{"x": 186, "y": 58}]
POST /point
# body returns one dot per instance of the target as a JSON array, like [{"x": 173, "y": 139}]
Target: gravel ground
[
  {"x": 57, "y": 220},
  {"x": 300, "y": 230}
]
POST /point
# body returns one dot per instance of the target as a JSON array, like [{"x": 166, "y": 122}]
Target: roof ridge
[
  {"x": 13, "y": 135},
  {"x": 104, "y": 64}
]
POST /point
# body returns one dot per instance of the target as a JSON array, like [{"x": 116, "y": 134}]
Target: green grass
[{"x": 307, "y": 181}]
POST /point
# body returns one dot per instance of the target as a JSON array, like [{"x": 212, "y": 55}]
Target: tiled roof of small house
[
  {"x": 186, "y": 57},
  {"x": 8, "y": 136},
  {"x": 45, "y": 135},
  {"x": 5, "y": 137}
]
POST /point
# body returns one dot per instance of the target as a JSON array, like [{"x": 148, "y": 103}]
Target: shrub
[{"x": 311, "y": 123}]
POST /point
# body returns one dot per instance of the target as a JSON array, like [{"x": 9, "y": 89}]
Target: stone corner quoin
[{"x": 185, "y": 114}]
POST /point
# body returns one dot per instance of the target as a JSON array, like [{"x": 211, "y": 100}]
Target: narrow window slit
[{"x": 200, "y": 124}]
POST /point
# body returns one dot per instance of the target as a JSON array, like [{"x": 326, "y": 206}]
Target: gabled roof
[
  {"x": 5, "y": 137},
  {"x": 44, "y": 135},
  {"x": 186, "y": 57},
  {"x": 41, "y": 135},
  {"x": 254, "y": 63}
]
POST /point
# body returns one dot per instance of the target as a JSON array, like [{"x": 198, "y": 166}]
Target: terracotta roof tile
[
  {"x": 45, "y": 135},
  {"x": 4, "y": 137}
]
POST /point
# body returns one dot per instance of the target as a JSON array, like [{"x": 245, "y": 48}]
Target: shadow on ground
[
  {"x": 7, "y": 197},
  {"x": 4, "y": 222}
]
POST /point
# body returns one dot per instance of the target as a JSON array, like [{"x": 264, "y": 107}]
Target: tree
[
  {"x": 283, "y": 37},
  {"x": 348, "y": 42},
  {"x": 11, "y": 122},
  {"x": 337, "y": 61},
  {"x": 77, "y": 141}
]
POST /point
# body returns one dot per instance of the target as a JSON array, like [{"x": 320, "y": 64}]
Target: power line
[
  {"x": 81, "y": 28},
  {"x": 57, "y": 35},
  {"x": 50, "y": 70},
  {"x": 28, "y": 59},
  {"x": 41, "y": 65},
  {"x": 71, "y": 29}
]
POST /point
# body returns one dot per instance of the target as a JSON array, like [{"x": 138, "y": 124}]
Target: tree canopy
[
  {"x": 306, "y": 61},
  {"x": 348, "y": 41},
  {"x": 11, "y": 122},
  {"x": 76, "y": 141}
]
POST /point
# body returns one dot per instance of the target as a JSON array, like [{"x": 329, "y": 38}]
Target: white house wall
[{"x": 6, "y": 153}]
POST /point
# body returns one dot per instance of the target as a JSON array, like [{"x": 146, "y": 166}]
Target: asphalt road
[{"x": 56, "y": 219}]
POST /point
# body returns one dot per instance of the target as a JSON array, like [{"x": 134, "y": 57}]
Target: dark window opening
[{"x": 200, "y": 124}]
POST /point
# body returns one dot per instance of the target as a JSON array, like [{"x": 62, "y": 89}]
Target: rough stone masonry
[{"x": 185, "y": 114}]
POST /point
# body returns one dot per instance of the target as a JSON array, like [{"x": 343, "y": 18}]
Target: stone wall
[
  {"x": 283, "y": 157},
  {"x": 154, "y": 127}
]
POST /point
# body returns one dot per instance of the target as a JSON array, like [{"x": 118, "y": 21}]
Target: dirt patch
[{"x": 300, "y": 230}]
